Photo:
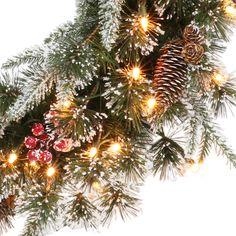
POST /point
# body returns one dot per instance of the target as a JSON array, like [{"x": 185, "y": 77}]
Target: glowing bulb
[
  {"x": 151, "y": 103},
  {"x": 51, "y": 171},
  {"x": 219, "y": 78},
  {"x": 230, "y": 11},
  {"x": 115, "y": 148},
  {"x": 144, "y": 23},
  {"x": 33, "y": 163},
  {"x": 93, "y": 152},
  {"x": 97, "y": 186},
  {"x": 136, "y": 72},
  {"x": 12, "y": 158},
  {"x": 67, "y": 104},
  {"x": 195, "y": 167}
]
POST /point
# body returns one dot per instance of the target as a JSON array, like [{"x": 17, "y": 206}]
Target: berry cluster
[{"x": 40, "y": 143}]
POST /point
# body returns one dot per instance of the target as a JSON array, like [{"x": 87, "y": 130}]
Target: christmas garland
[{"x": 84, "y": 117}]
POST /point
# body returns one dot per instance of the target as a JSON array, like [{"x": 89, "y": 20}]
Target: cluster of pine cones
[{"x": 170, "y": 75}]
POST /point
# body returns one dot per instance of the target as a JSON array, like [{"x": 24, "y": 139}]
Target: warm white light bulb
[
  {"x": 67, "y": 104},
  {"x": 33, "y": 163},
  {"x": 219, "y": 78},
  {"x": 115, "y": 147},
  {"x": 136, "y": 72},
  {"x": 12, "y": 158},
  {"x": 195, "y": 167},
  {"x": 151, "y": 103},
  {"x": 97, "y": 186},
  {"x": 51, "y": 171},
  {"x": 230, "y": 11},
  {"x": 93, "y": 152},
  {"x": 144, "y": 23}
]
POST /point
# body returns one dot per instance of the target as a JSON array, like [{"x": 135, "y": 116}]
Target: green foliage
[
  {"x": 220, "y": 143},
  {"x": 124, "y": 97},
  {"x": 107, "y": 106},
  {"x": 132, "y": 165},
  {"x": 117, "y": 199},
  {"x": 9, "y": 91},
  {"x": 81, "y": 212},
  {"x": 168, "y": 157},
  {"x": 223, "y": 98},
  {"x": 76, "y": 122},
  {"x": 40, "y": 204},
  {"x": 29, "y": 57}
]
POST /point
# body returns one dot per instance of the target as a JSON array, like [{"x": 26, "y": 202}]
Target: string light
[
  {"x": 219, "y": 78},
  {"x": 115, "y": 148},
  {"x": 136, "y": 73},
  {"x": 151, "y": 103},
  {"x": 229, "y": 8},
  {"x": 33, "y": 163},
  {"x": 67, "y": 104},
  {"x": 144, "y": 23},
  {"x": 12, "y": 158},
  {"x": 51, "y": 171},
  {"x": 93, "y": 152},
  {"x": 196, "y": 166},
  {"x": 97, "y": 186}
]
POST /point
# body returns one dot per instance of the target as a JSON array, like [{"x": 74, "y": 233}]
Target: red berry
[
  {"x": 37, "y": 129},
  {"x": 63, "y": 145},
  {"x": 45, "y": 156},
  {"x": 30, "y": 142},
  {"x": 33, "y": 155}
]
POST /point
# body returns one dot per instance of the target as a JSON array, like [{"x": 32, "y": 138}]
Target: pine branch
[
  {"x": 178, "y": 9},
  {"x": 81, "y": 212},
  {"x": 109, "y": 20},
  {"x": 132, "y": 166},
  {"x": 76, "y": 121},
  {"x": 41, "y": 207},
  {"x": 9, "y": 91},
  {"x": 168, "y": 157},
  {"x": 10, "y": 177},
  {"x": 38, "y": 84},
  {"x": 7, "y": 206},
  {"x": 220, "y": 143},
  {"x": 87, "y": 170},
  {"x": 28, "y": 57},
  {"x": 74, "y": 60},
  {"x": 118, "y": 199},
  {"x": 210, "y": 134},
  {"x": 134, "y": 40},
  {"x": 132, "y": 162},
  {"x": 87, "y": 14},
  {"x": 192, "y": 129},
  {"x": 223, "y": 98},
  {"x": 205, "y": 144},
  {"x": 124, "y": 98}
]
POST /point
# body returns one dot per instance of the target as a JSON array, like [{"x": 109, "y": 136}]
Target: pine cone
[
  {"x": 170, "y": 74},
  {"x": 192, "y": 34},
  {"x": 192, "y": 53}
]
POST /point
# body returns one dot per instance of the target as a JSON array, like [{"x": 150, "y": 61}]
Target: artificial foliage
[{"x": 103, "y": 102}]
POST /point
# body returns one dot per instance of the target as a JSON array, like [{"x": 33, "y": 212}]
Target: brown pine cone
[
  {"x": 192, "y": 34},
  {"x": 10, "y": 201},
  {"x": 192, "y": 53},
  {"x": 170, "y": 76}
]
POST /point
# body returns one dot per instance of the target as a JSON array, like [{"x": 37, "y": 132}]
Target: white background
[{"x": 203, "y": 203}]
